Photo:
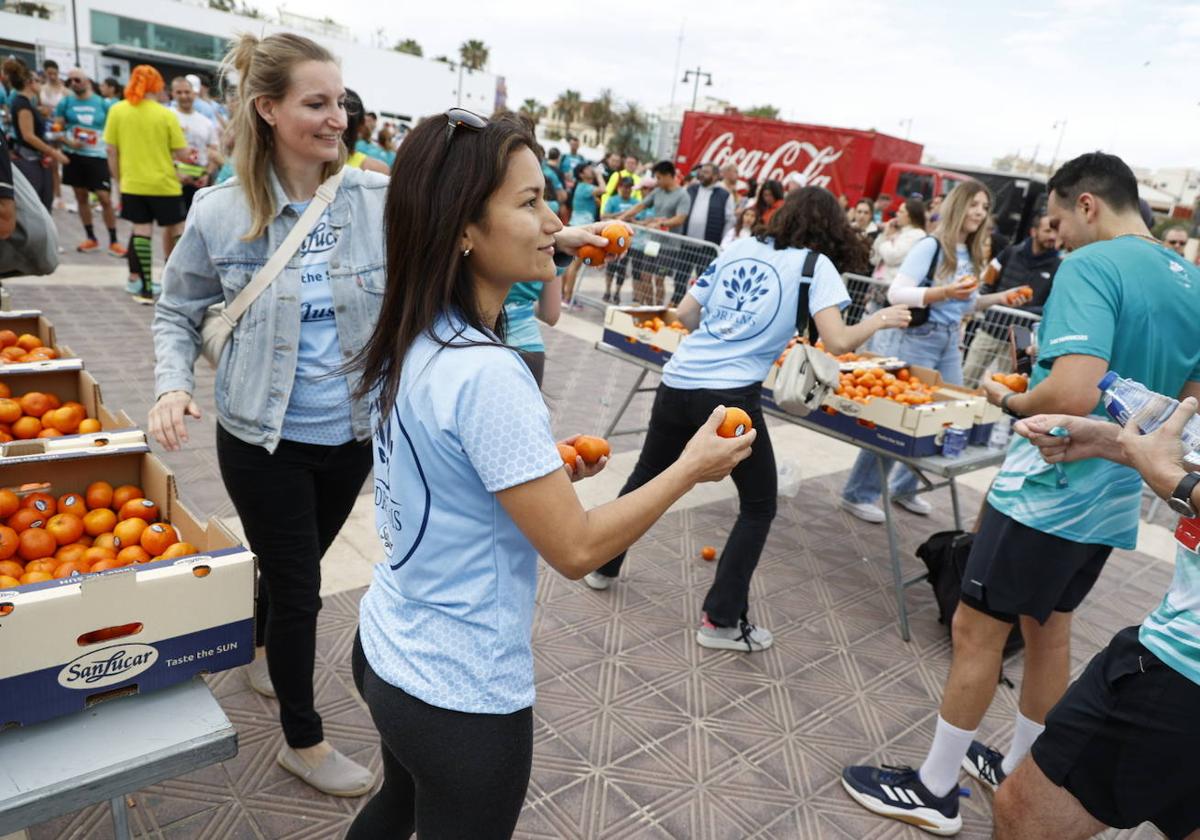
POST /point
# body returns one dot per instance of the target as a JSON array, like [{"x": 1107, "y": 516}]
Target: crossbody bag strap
[
  {"x": 804, "y": 322},
  {"x": 286, "y": 249},
  {"x": 933, "y": 263}
]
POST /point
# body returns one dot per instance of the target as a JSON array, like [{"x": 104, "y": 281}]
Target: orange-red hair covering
[{"x": 144, "y": 79}]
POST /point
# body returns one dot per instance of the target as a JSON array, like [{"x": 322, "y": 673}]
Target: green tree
[
  {"x": 599, "y": 114},
  {"x": 631, "y": 126},
  {"x": 769, "y": 112},
  {"x": 444, "y": 59},
  {"x": 474, "y": 54},
  {"x": 532, "y": 110},
  {"x": 222, "y": 5},
  {"x": 409, "y": 47},
  {"x": 567, "y": 108}
]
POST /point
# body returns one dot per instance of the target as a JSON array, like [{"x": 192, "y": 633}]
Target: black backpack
[{"x": 945, "y": 555}]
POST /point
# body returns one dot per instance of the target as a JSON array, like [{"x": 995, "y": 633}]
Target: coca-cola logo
[{"x": 791, "y": 156}]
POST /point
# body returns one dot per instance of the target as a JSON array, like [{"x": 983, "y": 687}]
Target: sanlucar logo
[{"x": 107, "y": 666}]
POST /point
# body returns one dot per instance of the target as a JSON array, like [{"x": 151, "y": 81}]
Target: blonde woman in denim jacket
[{"x": 293, "y": 447}]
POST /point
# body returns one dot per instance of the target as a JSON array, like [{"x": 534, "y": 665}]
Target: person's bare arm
[
  {"x": 1071, "y": 388},
  {"x": 30, "y": 137},
  {"x": 8, "y": 217},
  {"x": 114, "y": 163},
  {"x": 838, "y": 337},
  {"x": 674, "y": 221},
  {"x": 688, "y": 312},
  {"x": 549, "y": 305},
  {"x": 632, "y": 211}
]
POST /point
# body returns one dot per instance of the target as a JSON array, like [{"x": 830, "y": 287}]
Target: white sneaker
[
  {"x": 915, "y": 504},
  {"x": 598, "y": 581},
  {"x": 259, "y": 678},
  {"x": 745, "y": 637},
  {"x": 865, "y": 511}
]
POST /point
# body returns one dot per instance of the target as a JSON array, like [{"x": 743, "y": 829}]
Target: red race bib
[{"x": 1187, "y": 533}]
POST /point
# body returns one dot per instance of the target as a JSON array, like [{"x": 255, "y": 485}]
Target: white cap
[
  {"x": 194, "y": 81},
  {"x": 793, "y": 180}
]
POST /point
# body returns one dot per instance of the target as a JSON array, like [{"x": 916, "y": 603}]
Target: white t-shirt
[
  {"x": 749, "y": 296},
  {"x": 199, "y": 132}
]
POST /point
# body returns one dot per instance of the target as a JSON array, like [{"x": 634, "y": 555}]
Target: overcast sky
[{"x": 978, "y": 80}]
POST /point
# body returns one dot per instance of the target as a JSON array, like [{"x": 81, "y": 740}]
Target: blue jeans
[{"x": 929, "y": 345}]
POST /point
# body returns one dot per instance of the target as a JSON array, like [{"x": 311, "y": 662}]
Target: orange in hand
[
  {"x": 591, "y": 255},
  {"x": 736, "y": 423},
  {"x": 592, "y": 449},
  {"x": 618, "y": 238},
  {"x": 568, "y": 454}
]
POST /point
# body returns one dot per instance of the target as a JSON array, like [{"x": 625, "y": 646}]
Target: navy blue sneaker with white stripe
[
  {"x": 898, "y": 792},
  {"x": 983, "y": 763}
]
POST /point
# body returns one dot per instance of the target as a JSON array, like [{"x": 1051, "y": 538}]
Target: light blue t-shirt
[
  {"x": 520, "y": 318},
  {"x": 318, "y": 409},
  {"x": 616, "y": 204},
  {"x": 749, "y": 295},
  {"x": 569, "y": 162},
  {"x": 1172, "y": 631},
  {"x": 551, "y": 176},
  {"x": 916, "y": 266},
  {"x": 449, "y": 614},
  {"x": 583, "y": 205},
  {"x": 83, "y": 121},
  {"x": 1137, "y": 306}
]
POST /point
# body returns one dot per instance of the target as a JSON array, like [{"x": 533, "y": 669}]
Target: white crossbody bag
[
  {"x": 220, "y": 320},
  {"x": 808, "y": 374}
]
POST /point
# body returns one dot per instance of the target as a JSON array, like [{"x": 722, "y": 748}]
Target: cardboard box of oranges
[
  {"x": 652, "y": 333},
  {"x": 28, "y": 342},
  {"x": 116, "y": 621},
  {"x": 56, "y": 410}
]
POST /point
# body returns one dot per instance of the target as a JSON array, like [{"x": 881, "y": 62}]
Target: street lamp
[
  {"x": 1061, "y": 125},
  {"x": 697, "y": 73}
]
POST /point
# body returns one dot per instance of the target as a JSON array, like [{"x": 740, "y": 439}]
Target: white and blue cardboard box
[{"x": 68, "y": 644}]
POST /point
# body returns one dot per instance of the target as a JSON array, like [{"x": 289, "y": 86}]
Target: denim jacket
[{"x": 212, "y": 263}]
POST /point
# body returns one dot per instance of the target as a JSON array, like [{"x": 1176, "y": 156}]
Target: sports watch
[{"x": 1181, "y": 499}]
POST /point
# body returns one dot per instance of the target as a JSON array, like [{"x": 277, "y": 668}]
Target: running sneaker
[
  {"x": 745, "y": 637},
  {"x": 898, "y": 793},
  {"x": 865, "y": 511},
  {"x": 983, "y": 763},
  {"x": 116, "y": 249},
  {"x": 598, "y": 581},
  {"x": 915, "y": 504},
  {"x": 87, "y": 246}
]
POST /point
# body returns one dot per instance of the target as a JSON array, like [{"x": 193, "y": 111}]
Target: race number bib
[
  {"x": 1187, "y": 534},
  {"x": 86, "y": 136}
]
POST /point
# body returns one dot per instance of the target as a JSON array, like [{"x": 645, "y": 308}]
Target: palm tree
[
  {"x": 532, "y": 110},
  {"x": 409, "y": 47},
  {"x": 631, "y": 125},
  {"x": 474, "y": 54},
  {"x": 567, "y": 108},
  {"x": 599, "y": 114},
  {"x": 768, "y": 111},
  {"x": 444, "y": 59}
]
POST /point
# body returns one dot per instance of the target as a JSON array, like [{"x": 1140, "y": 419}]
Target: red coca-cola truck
[{"x": 845, "y": 161}]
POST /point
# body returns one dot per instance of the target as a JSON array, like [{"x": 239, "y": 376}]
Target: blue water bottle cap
[{"x": 1108, "y": 380}]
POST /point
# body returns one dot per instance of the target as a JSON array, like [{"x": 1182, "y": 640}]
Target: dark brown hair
[
  {"x": 435, "y": 192},
  {"x": 812, "y": 218},
  {"x": 916, "y": 212},
  {"x": 16, "y": 72}
]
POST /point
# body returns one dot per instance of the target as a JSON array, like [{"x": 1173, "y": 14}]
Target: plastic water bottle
[
  {"x": 1128, "y": 401},
  {"x": 1001, "y": 432}
]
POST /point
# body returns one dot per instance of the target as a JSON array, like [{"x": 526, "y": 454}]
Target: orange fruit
[
  {"x": 592, "y": 449},
  {"x": 106, "y": 564},
  {"x": 133, "y": 554},
  {"x": 1017, "y": 382},
  {"x": 10, "y": 503},
  {"x": 85, "y": 540},
  {"x": 124, "y": 493},
  {"x": 26, "y": 428},
  {"x": 88, "y": 426},
  {"x": 708, "y": 553},
  {"x": 7, "y": 581},
  {"x": 41, "y": 502},
  {"x": 140, "y": 508},
  {"x": 65, "y": 528},
  {"x": 568, "y": 454},
  {"x": 35, "y": 403},
  {"x": 94, "y": 555},
  {"x": 180, "y": 549},
  {"x": 42, "y": 564},
  {"x": 49, "y": 433},
  {"x": 28, "y": 341},
  {"x": 618, "y": 237},
  {"x": 36, "y": 577},
  {"x": 75, "y": 404},
  {"x": 10, "y": 410},
  {"x": 878, "y": 391},
  {"x": 70, "y": 553},
  {"x": 72, "y": 503},
  {"x": 129, "y": 531},
  {"x": 65, "y": 570},
  {"x": 11, "y": 568},
  {"x": 157, "y": 538},
  {"x": 99, "y": 494},
  {"x": 11, "y": 354},
  {"x": 736, "y": 423},
  {"x": 591, "y": 255},
  {"x": 35, "y": 543},
  {"x": 99, "y": 521},
  {"x": 108, "y": 540},
  {"x": 65, "y": 420},
  {"x": 903, "y": 374},
  {"x": 7, "y": 338},
  {"x": 26, "y": 518}
]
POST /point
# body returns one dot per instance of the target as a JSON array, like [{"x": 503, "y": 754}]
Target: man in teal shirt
[
  {"x": 83, "y": 113},
  {"x": 1121, "y": 301},
  {"x": 571, "y": 160}
]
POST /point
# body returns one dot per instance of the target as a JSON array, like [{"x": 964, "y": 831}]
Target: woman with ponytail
[{"x": 292, "y": 441}]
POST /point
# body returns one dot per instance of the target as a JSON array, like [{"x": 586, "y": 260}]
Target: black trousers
[
  {"x": 447, "y": 775},
  {"x": 675, "y": 418},
  {"x": 292, "y": 504}
]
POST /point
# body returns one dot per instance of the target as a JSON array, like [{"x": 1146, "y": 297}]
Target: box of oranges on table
[
  {"x": 109, "y": 585},
  {"x": 652, "y": 333},
  {"x": 28, "y": 342},
  {"x": 55, "y": 410}
]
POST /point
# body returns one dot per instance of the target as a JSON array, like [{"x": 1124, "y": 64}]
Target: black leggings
[
  {"x": 292, "y": 504},
  {"x": 448, "y": 775},
  {"x": 676, "y": 416}
]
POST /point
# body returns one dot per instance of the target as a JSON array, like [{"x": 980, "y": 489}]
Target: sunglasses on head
[{"x": 462, "y": 118}]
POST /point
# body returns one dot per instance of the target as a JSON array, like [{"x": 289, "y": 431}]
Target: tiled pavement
[{"x": 639, "y": 732}]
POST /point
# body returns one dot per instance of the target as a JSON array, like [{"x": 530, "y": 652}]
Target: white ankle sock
[
  {"x": 1025, "y": 733},
  {"x": 940, "y": 771}
]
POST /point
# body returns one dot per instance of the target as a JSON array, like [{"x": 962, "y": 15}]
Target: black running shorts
[
  {"x": 1015, "y": 570},
  {"x": 90, "y": 173},
  {"x": 164, "y": 210},
  {"x": 1124, "y": 738}
]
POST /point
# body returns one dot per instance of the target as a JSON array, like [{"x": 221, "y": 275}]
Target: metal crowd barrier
[{"x": 657, "y": 270}]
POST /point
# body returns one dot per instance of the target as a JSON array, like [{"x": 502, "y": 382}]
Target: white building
[
  {"x": 114, "y": 35},
  {"x": 1181, "y": 182},
  {"x": 668, "y": 122}
]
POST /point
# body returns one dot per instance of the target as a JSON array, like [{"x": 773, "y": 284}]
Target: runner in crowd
[
  {"x": 629, "y": 169},
  {"x": 710, "y": 215},
  {"x": 201, "y": 104},
  {"x": 144, "y": 140},
  {"x": 112, "y": 91},
  {"x": 572, "y": 159},
  {"x": 1116, "y": 280},
  {"x": 611, "y": 165},
  {"x": 525, "y": 305},
  {"x": 32, "y": 154},
  {"x": 286, "y": 417},
  {"x": 725, "y": 359},
  {"x": 1031, "y": 263},
  {"x": 584, "y": 203},
  {"x": 729, "y": 179},
  {"x": 354, "y": 121},
  {"x": 443, "y": 658},
  {"x": 202, "y": 157},
  {"x": 50, "y": 92},
  {"x": 743, "y": 226},
  {"x": 614, "y": 270},
  {"x": 1113, "y": 746},
  {"x": 83, "y": 113},
  {"x": 669, "y": 206},
  {"x": 953, "y": 257},
  {"x": 1175, "y": 237}
]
